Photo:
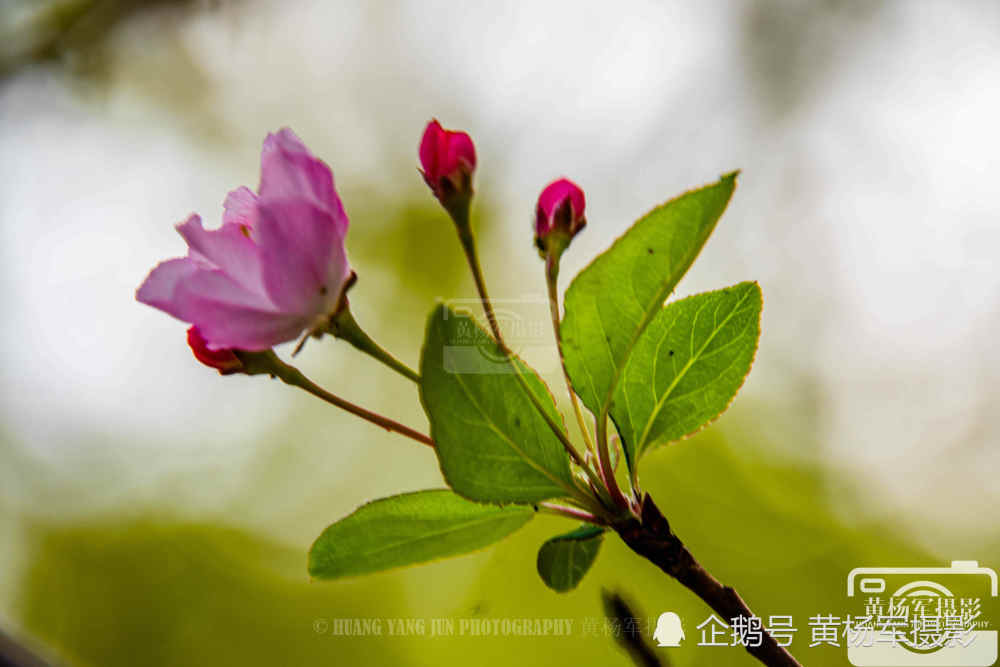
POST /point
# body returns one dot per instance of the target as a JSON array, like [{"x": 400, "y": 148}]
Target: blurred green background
[{"x": 152, "y": 512}]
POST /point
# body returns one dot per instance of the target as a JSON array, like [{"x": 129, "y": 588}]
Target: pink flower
[
  {"x": 448, "y": 159},
  {"x": 275, "y": 268},
  {"x": 559, "y": 213},
  {"x": 224, "y": 361}
]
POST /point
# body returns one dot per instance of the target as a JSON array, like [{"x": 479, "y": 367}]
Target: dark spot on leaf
[
  {"x": 649, "y": 250},
  {"x": 517, "y": 422},
  {"x": 671, "y": 353}
]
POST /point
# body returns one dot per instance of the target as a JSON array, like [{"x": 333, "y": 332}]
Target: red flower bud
[
  {"x": 447, "y": 159},
  {"x": 559, "y": 215},
  {"x": 224, "y": 361}
]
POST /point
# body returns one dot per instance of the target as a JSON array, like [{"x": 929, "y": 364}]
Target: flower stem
[
  {"x": 460, "y": 215},
  {"x": 570, "y": 512},
  {"x": 649, "y": 535},
  {"x": 604, "y": 460},
  {"x": 552, "y": 279},
  {"x": 344, "y": 326},
  {"x": 468, "y": 241},
  {"x": 257, "y": 363}
]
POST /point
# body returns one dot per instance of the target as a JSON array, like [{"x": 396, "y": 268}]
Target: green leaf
[
  {"x": 563, "y": 560},
  {"x": 610, "y": 303},
  {"x": 407, "y": 529},
  {"x": 687, "y": 366},
  {"x": 492, "y": 442}
]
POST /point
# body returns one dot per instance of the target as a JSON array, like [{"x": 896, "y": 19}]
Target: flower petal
[
  {"x": 226, "y": 325},
  {"x": 339, "y": 276},
  {"x": 217, "y": 286},
  {"x": 289, "y": 171},
  {"x": 165, "y": 283},
  {"x": 431, "y": 146},
  {"x": 461, "y": 151},
  {"x": 227, "y": 315},
  {"x": 225, "y": 360},
  {"x": 161, "y": 283},
  {"x": 228, "y": 248},
  {"x": 298, "y": 244},
  {"x": 240, "y": 208}
]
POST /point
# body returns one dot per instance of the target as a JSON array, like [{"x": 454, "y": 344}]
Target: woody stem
[{"x": 649, "y": 535}]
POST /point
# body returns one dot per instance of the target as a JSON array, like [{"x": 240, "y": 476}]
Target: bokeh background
[{"x": 154, "y": 513}]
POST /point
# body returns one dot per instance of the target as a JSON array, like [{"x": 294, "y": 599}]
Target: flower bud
[
  {"x": 224, "y": 361},
  {"x": 558, "y": 216},
  {"x": 447, "y": 160}
]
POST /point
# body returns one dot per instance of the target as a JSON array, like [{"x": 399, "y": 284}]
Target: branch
[{"x": 652, "y": 539}]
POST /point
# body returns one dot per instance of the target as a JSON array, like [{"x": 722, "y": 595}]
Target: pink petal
[
  {"x": 216, "y": 286},
  {"x": 554, "y": 194},
  {"x": 240, "y": 208},
  {"x": 227, "y": 248},
  {"x": 227, "y": 315},
  {"x": 229, "y": 325},
  {"x": 297, "y": 241},
  {"x": 444, "y": 152},
  {"x": 289, "y": 171},
  {"x": 338, "y": 273},
  {"x": 161, "y": 283},
  {"x": 461, "y": 151},
  {"x": 225, "y": 360},
  {"x": 169, "y": 280},
  {"x": 431, "y": 145}
]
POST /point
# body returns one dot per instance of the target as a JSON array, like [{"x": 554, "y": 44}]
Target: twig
[
  {"x": 268, "y": 363},
  {"x": 652, "y": 539}
]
